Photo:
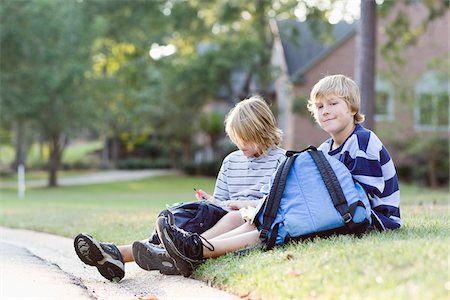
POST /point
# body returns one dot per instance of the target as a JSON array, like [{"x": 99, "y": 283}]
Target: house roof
[{"x": 302, "y": 47}]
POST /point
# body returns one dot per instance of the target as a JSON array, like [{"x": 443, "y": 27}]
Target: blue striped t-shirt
[
  {"x": 371, "y": 165},
  {"x": 241, "y": 177}
]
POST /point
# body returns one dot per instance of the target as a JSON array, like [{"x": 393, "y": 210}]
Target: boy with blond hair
[
  {"x": 251, "y": 126},
  {"x": 335, "y": 103}
]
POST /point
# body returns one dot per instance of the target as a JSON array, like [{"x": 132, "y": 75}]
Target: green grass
[
  {"x": 411, "y": 263},
  {"x": 117, "y": 212}
]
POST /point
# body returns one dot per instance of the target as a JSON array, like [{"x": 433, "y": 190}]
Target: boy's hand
[
  {"x": 236, "y": 204},
  {"x": 202, "y": 195}
]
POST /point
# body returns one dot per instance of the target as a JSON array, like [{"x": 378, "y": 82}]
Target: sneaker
[
  {"x": 184, "y": 247},
  {"x": 150, "y": 256},
  {"x": 105, "y": 257},
  {"x": 154, "y": 238},
  {"x": 169, "y": 215}
]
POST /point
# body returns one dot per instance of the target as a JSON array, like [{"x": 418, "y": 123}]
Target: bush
[
  {"x": 79, "y": 165},
  {"x": 141, "y": 163},
  {"x": 424, "y": 161},
  {"x": 207, "y": 168}
]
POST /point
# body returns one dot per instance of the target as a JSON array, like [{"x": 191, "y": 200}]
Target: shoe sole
[
  {"x": 150, "y": 261},
  {"x": 91, "y": 253},
  {"x": 182, "y": 262}
]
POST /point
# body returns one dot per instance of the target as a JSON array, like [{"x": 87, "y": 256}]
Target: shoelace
[
  {"x": 209, "y": 246},
  {"x": 185, "y": 236}
]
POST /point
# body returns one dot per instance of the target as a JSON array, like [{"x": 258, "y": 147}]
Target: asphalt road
[{"x": 37, "y": 265}]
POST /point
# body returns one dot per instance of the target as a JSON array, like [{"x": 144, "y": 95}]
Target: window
[
  {"x": 432, "y": 104},
  {"x": 384, "y": 103}
]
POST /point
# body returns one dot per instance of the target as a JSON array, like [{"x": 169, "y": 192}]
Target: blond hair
[
  {"x": 337, "y": 85},
  {"x": 252, "y": 121}
]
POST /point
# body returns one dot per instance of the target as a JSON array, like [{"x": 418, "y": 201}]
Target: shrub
[
  {"x": 424, "y": 161},
  {"x": 141, "y": 163},
  {"x": 206, "y": 168}
]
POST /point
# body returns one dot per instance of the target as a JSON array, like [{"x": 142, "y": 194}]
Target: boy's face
[
  {"x": 334, "y": 116},
  {"x": 249, "y": 149}
]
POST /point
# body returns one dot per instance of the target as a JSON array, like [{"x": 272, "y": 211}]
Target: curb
[{"x": 55, "y": 251}]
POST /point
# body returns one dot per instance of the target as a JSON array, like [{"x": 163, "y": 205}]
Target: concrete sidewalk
[
  {"x": 97, "y": 177},
  {"x": 39, "y": 265}
]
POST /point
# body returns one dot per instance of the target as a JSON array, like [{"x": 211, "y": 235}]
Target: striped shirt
[
  {"x": 371, "y": 165},
  {"x": 241, "y": 177}
]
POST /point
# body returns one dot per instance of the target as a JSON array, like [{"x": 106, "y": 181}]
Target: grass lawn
[{"x": 411, "y": 263}]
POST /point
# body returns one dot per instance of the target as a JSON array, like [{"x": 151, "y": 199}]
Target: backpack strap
[
  {"x": 275, "y": 195},
  {"x": 336, "y": 193},
  {"x": 273, "y": 201},
  {"x": 332, "y": 184}
]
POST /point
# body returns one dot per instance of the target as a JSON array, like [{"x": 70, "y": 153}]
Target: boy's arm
[{"x": 377, "y": 176}]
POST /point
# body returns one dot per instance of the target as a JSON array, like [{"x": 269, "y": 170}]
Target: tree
[
  {"x": 212, "y": 124},
  {"x": 215, "y": 40},
  {"x": 44, "y": 48},
  {"x": 365, "y": 60}
]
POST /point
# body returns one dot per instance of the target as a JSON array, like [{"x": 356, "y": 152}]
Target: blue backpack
[{"x": 312, "y": 195}]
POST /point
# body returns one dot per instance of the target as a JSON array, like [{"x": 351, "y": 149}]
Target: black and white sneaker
[
  {"x": 105, "y": 257},
  {"x": 184, "y": 247},
  {"x": 150, "y": 256}
]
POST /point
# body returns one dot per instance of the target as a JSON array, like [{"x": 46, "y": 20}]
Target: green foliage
[
  {"x": 43, "y": 75},
  {"x": 212, "y": 123},
  {"x": 299, "y": 106},
  {"x": 141, "y": 163},
  {"x": 400, "y": 33},
  {"x": 425, "y": 161},
  {"x": 205, "y": 168},
  {"x": 77, "y": 152}
]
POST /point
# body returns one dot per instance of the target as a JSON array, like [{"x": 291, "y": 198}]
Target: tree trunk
[
  {"x": 187, "y": 154},
  {"x": 53, "y": 162},
  {"x": 115, "y": 144},
  {"x": 105, "y": 153},
  {"x": 266, "y": 38},
  {"x": 365, "y": 60},
  {"x": 57, "y": 146}
]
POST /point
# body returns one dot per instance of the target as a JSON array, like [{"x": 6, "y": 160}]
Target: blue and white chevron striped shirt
[
  {"x": 241, "y": 177},
  {"x": 371, "y": 165}
]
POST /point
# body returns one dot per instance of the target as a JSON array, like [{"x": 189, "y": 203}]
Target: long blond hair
[{"x": 252, "y": 121}]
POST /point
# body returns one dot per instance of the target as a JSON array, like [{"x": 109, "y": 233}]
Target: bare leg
[
  {"x": 245, "y": 227},
  {"x": 232, "y": 243},
  {"x": 230, "y": 221},
  {"x": 127, "y": 252}
]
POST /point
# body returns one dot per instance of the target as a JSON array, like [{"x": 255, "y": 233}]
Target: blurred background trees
[{"x": 138, "y": 76}]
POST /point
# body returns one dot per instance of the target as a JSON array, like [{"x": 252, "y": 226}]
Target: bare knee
[{"x": 234, "y": 217}]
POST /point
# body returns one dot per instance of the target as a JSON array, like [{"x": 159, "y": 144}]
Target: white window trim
[
  {"x": 430, "y": 84},
  {"x": 382, "y": 86},
  {"x": 422, "y": 127}
]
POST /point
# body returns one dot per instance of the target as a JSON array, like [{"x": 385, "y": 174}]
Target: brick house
[{"x": 412, "y": 102}]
